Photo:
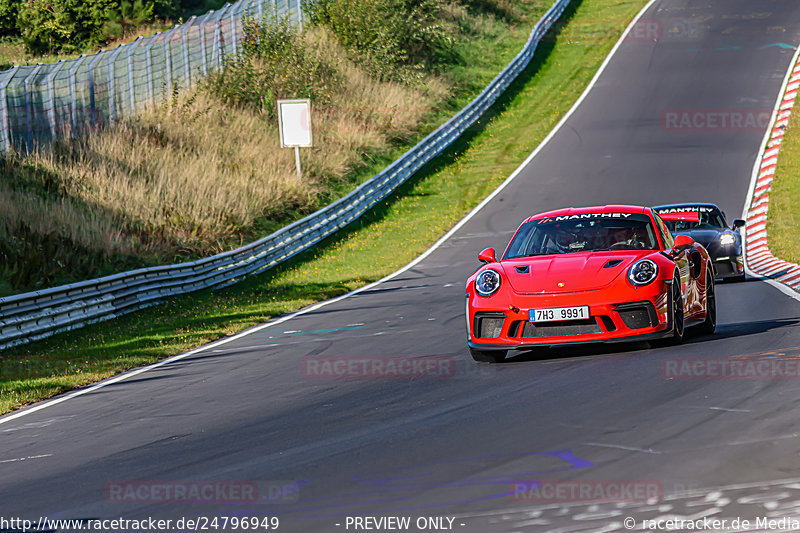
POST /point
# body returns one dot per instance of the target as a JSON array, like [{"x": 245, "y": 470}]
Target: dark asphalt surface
[{"x": 453, "y": 446}]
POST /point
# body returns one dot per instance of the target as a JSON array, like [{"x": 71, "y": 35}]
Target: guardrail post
[
  {"x": 28, "y": 108},
  {"x": 112, "y": 84},
  {"x": 187, "y": 71},
  {"x": 203, "y": 51},
  {"x": 51, "y": 98},
  {"x": 299, "y": 14},
  {"x": 168, "y": 55},
  {"x": 219, "y": 47},
  {"x": 148, "y": 68},
  {"x": 6, "y": 126},
  {"x": 129, "y": 66},
  {"x": 73, "y": 104},
  {"x": 92, "y": 100},
  {"x": 215, "y": 56},
  {"x": 233, "y": 34}
]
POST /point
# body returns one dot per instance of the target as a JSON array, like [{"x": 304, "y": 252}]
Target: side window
[{"x": 665, "y": 234}]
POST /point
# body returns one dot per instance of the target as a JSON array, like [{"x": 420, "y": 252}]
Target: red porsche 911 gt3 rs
[{"x": 593, "y": 274}]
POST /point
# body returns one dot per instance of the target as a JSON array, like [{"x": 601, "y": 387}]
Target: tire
[
  {"x": 710, "y": 323},
  {"x": 676, "y": 314},
  {"x": 488, "y": 356}
]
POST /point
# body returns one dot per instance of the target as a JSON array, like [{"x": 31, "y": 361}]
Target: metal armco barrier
[
  {"x": 35, "y": 315},
  {"x": 40, "y": 102}
]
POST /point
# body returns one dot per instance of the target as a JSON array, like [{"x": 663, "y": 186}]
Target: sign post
[{"x": 294, "y": 123}]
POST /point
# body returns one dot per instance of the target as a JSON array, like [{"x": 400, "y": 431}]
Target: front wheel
[
  {"x": 488, "y": 356},
  {"x": 676, "y": 314}
]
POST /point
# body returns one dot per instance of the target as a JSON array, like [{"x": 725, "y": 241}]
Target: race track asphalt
[{"x": 458, "y": 445}]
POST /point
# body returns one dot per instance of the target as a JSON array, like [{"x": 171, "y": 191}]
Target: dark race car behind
[{"x": 706, "y": 224}]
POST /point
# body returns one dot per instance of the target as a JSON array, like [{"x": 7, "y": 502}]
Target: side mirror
[
  {"x": 487, "y": 256},
  {"x": 738, "y": 223},
  {"x": 682, "y": 242}
]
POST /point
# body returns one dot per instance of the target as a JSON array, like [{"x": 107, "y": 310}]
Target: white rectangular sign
[{"x": 294, "y": 122}]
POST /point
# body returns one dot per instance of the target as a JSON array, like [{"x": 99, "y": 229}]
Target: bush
[
  {"x": 393, "y": 38},
  {"x": 73, "y": 25},
  {"x": 121, "y": 18},
  {"x": 276, "y": 63},
  {"x": 8, "y": 16},
  {"x": 198, "y": 7}
]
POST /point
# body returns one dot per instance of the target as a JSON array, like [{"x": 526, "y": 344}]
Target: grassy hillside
[{"x": 204, "y": 172}]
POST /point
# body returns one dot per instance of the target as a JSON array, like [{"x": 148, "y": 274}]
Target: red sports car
[{"x": 593, "y": 274}]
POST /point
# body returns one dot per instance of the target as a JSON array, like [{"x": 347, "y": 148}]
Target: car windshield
[
  {"x": 588, "y": 232},
  {"x": 710, "y": 218}
]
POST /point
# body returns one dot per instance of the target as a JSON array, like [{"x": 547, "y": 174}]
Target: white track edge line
[{"x": 409, "y": 266}]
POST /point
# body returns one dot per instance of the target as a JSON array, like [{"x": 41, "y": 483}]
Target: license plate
[{"x": 559, "y": 313}]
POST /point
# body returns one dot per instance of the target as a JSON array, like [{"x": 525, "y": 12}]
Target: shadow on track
[{"x": 724, "y": 331}]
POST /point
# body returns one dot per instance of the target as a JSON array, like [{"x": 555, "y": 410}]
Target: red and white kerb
[{"x": 759, "y": 259}]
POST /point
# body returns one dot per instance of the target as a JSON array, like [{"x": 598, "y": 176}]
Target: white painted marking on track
[
  {"x": 446, "y": 237},
  {"x": 720, "y": 409},
  {"x": 306, "y": 340},
  {"x": 253, "y": 347},
  {"x": 28, "y": 458},
  {"x": 766, "y": 439},
  {"x": 40, "y": 424},
  {"x": 621, "y": 447}
]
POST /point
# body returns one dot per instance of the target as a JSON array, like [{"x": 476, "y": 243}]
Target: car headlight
[
  {"x": 727, "y": 239},
  {"x": 487, "y": 282},
  {"x": 643, "y": 272}
]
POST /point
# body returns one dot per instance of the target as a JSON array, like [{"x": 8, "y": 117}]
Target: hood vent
[
  {"x": 523, "y": 269},
  {"x": 612, "y": 263}
]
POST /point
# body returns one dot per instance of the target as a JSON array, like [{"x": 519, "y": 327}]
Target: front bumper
[
  {"x": 634, "y": 314},
  {"x": 728, "y": 260},
  {"x": 728, "y": 266}
]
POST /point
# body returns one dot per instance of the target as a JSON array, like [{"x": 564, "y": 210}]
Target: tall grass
[{"x": 203, "y": 172}]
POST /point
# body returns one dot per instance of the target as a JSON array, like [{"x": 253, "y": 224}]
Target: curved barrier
[{"x": 35, "y": 315}]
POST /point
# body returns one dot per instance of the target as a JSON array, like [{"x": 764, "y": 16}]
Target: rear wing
[{"x": 684, "y": 216}]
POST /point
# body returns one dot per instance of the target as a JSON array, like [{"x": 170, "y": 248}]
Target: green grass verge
[
  {"x": 783, "y": 223},
  {"x": 386, "y": 238}
]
